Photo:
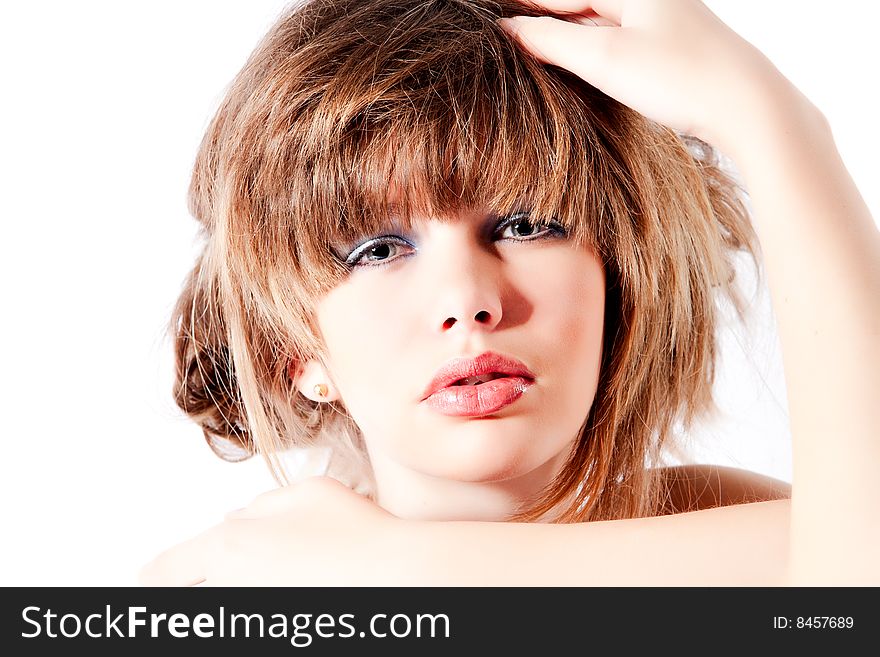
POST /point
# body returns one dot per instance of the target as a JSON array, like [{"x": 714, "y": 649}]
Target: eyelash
[{"x": 552, "y": 229}]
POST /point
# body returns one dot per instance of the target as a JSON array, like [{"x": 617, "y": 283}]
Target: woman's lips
[{"x": 476, "y": 400}]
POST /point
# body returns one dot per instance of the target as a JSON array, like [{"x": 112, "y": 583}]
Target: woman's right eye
[{"x": 378, "y": 252}]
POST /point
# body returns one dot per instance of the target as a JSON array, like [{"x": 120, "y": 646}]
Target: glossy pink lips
[
  {"x": 481, "y": 399},
  {"x": 509, "y": 379}
]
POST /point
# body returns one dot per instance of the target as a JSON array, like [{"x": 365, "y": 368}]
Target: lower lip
[{"x": 483, "y": 399}]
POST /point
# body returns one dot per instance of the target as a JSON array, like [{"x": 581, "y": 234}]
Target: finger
[
  {"x": 268, "y": 503},
  {"x": 235, "y": 513},
  {"x": 182, "y": 565},
  {"x": 595, "y": 20},
  {"x": 581, "y": 50},
  {"x": 610, "y": 9},
  {"x": 285, "y": 498}
]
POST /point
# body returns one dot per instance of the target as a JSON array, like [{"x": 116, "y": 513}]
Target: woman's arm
[
  {"x": 320, "y": 533},
  {"x": 741, "y": 545},
  {"x": 822, "y": 256},
  {"x": 677, "y": 63}
]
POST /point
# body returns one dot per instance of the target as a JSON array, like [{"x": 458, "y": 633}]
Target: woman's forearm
[
  {"x": 822, "y": 258},
  {"x": 741, "y": 545}
]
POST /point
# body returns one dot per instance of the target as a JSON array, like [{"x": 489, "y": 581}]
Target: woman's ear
[{"x": 312, "y": 380}]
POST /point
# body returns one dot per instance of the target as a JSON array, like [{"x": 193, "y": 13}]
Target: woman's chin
[{"x": 491, "y": 463}]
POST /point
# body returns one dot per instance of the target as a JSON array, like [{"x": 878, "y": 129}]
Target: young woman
[{"x": 479, "y": 260}]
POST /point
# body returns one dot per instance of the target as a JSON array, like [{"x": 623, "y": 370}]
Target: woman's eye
[
  {"x": 520, "y": 227},
  {"x": 378, "y": 252},
  {"x": 384, "y": 250}
]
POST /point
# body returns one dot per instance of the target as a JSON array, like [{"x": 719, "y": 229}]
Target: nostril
[{"x": 482, "y": 317}]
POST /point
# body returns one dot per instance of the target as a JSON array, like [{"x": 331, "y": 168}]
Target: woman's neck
[{"x": 415, "y": 495}]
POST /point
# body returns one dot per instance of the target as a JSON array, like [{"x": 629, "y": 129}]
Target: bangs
[{"x": 422, "y": 112}]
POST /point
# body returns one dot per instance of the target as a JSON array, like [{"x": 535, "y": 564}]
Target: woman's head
[{"x": 424, "y": 123}]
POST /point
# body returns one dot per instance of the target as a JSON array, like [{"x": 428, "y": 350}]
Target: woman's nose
[{"x": 467, "y": 289}]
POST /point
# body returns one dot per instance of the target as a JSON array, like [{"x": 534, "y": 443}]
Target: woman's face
[{"x": 515, "y": 286}]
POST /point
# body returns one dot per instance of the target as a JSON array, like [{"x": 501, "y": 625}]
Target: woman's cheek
[{"x": 365, "y": 352}]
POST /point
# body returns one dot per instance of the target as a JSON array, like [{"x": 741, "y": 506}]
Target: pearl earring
[{"x": 321, "y": 390}]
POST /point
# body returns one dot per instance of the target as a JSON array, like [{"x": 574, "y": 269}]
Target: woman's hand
[
  {"x": 673, "y": 61},
  {"x": 314, "y": 533}
]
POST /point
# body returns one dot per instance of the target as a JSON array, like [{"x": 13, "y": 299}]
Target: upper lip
[{"x": 485, "y": 363}]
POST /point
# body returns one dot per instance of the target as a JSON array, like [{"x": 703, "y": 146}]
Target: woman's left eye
[
  {"x": 522, "y": 228},
  {"x": 378, "y": 252}
]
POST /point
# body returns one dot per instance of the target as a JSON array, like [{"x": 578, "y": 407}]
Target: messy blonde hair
[{"x": 344, "y": 101}]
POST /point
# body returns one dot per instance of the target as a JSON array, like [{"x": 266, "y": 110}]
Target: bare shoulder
[{"x": 696, "y": 487}]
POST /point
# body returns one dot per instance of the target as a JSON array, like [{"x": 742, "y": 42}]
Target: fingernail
[{"x": 509, "y": 24}]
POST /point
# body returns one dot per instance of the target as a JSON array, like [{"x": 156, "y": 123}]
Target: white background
[{"x": 103, "y": 106}]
